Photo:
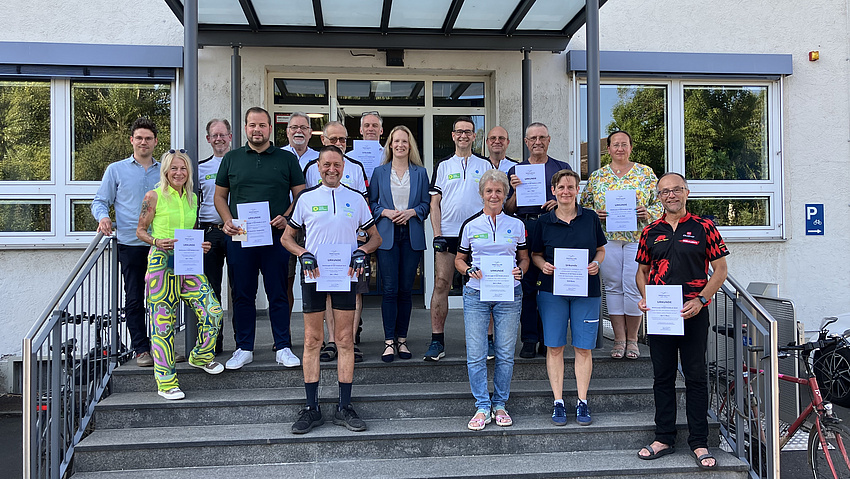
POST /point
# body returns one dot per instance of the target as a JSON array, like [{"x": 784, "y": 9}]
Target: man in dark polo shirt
[
  {"x": 258, "y": 171},
  {"x": 537, "y": 140},
  {"x": 676, "y": 250}
]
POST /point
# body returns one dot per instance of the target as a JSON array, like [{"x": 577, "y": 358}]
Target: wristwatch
[
  {"x": 597, "y": 263},
  {"x": 702, "y": 300}
]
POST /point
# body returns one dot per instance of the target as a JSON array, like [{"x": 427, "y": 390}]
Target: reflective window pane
[
  {"x": 459, "y": 94},
  {"x": 733, "y": 211},
  {"x": 419, "y": 14},
  {"x": 444, "y": 146},
  {"x": 726, "y": 133},
  {"x": 485, "y": 14},
  {"x": 22, "y": 216},
  {"x": 640, "y": 110},
  {"x": 285, "y": 12},
  {"x": 317, "y": 122},
  {"x": 550, "y": 14},
  {"x": 24, "y": 131},
  {"x": 300, "y": 92},
  {"x": 102, "y": 115},
  {"x": 81, "y": 217},
  {"x": 344, "y": 13},
  {"x": 222, "y": 12},
  {"x": 379, "y": 92}
]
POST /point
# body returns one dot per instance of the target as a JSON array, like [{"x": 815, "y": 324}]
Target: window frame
[{"x": 772, "y": 188}]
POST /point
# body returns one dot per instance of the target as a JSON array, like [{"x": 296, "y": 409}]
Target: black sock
[
  {"x": 441, "y": 337},
  {"x": 312, "y": 394},
  {"x": 489, "y": 337},
  {"x": 344, "y": 394}
]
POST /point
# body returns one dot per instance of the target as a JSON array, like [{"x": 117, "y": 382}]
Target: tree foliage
[
  {"x": 642, "y": 112},
  {"x": 24, "y": 131}
]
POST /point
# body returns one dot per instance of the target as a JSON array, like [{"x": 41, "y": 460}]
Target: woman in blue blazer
[{"x": 398, "y": 194}]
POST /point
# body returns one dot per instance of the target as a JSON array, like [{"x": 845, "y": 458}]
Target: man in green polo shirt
[{"x": 259, "y": 171}]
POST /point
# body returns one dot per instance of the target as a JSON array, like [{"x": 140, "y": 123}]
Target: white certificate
[
  {"x": 622, "y": 213},
  {"x": 570, "y": 278},
  {"x": 258, "y": 223},
  {"x": 367, "y": 152},
  {"x": 497, "y": 278},
  {"x": 665, "y": 310},
  {"x": 333, "y": 261},
  {"x": 188, "y": 252},
  {"x": 532, "y": 191}
]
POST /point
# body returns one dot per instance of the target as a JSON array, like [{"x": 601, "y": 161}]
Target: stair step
[
  {"x": 265, "y": 373},
  {"x": 273, "y": 443},
  {"x": 251, "y": 406}
]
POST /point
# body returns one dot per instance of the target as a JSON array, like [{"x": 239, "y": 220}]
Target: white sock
[
  {"x": 578, "y": 403},
  {"x": 559, "y": 401}
]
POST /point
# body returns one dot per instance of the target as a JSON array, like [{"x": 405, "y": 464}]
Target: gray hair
[
  {"x": 496, "y": 176},
  {"x": 536, "y": 123},
  {"x": 218, "y": 120},
  {"x": 301, "y": 114},
  {"x": 673, "y": 173},
  {"x": 333, "y": 123}
]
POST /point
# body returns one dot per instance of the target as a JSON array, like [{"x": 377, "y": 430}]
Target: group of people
[{"x": 319, "y": 198}]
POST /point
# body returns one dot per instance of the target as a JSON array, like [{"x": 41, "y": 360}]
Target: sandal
[
  {"x": 478, "y": 423},
  {"x": 632, "y": 350},
  {"x": 502, "y": 418},
  {"x": 389, "y": 353},
  {"x": 328, "y": 353},
  {"x": 358, "y": 355},
  {"x": 618, "y": 350},
  {"x": 653, "y": 454},
  {"x": 405, "y": 352},
  {"x": 703, "y": 457}
]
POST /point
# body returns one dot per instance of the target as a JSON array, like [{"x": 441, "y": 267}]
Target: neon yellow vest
[{"x": 172, "y": 213}]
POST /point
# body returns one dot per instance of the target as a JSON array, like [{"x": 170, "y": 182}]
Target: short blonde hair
[{"x": 166, "y": 161}]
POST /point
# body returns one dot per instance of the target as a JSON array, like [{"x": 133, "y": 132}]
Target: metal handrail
[{"x": 68, "y": 358}]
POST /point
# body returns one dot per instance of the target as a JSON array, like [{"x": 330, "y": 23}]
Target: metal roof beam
[
  {"x": 385, "y": 15},
  {"x": 317, "y": 12},
  {"x": 250, "y": 14},
  {"x": 451, "y": 17},
  {"x": 515, "y": 19},
  {"x": 176, "y": 6}
]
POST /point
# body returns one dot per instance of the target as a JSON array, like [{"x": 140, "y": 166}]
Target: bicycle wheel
[
  {"x": 832, "y": 370},
  {"x": 837, "y": 438}
]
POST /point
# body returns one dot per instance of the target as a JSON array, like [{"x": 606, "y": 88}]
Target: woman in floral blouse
[{"x": 619, "y": 268}]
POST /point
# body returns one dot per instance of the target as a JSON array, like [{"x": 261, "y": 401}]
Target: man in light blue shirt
[{"x": 124, "y": 185}]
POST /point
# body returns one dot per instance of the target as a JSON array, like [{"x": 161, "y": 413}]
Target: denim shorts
[{"x": 580, "y": 314}]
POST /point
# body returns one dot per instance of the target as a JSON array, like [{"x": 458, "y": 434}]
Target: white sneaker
[
  {"x": 284, "y": 356},
  {"x": 213, "y": 367},
  {"x": 239, "y": 359},
  {"x": 173, "y": 393}
]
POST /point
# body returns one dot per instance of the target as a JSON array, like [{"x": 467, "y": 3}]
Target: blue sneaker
[
  {"x": 559, "y": 415},
  {"x": 435, "y": 351},
  {"x": 583, "y": 414},
  {"x": 491, "y": 349}
]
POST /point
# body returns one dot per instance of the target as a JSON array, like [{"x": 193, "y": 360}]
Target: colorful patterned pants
[{"x": 164, "y": 290}]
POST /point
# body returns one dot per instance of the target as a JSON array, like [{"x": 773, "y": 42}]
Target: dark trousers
[
  {"x": 398, "y": 271},
  {"x": 531, "y": 326},
  {"x": 134, "y": 263},
  {"x": 666, "y": 352},
  {"x": 214, "y": 265},
  {"x": 245, "y": 265}
]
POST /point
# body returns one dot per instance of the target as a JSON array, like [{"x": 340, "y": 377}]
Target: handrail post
[
  {"x": 113, "y": 298},
  {"x": 28, "y": 408},
  {"x": 55, "y": 404}
]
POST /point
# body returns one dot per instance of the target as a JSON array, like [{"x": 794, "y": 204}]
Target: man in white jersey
[
  {"x": 454, "y": 198},
  {"x": 330, "y": 214},
  {"x": 353, "y": 176},
  {"x": 219, "y": 136},
  {"x": 497, "y": 149}
]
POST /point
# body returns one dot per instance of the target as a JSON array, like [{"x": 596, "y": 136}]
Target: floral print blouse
[{"x": 640, "y": 178}]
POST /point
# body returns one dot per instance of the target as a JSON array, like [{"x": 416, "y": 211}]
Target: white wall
[{"x": 811, "y": 270}]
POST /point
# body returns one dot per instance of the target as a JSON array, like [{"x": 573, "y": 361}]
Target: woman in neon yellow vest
[{"x": 172, "y": 205}]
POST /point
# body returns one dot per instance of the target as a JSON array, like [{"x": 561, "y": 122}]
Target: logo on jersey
[
  {"x": 454, "y": 176},
  {"x": 661, "y": 238},
  {"x": 320, "y": 208},
  {"x": 211, "y": 176},
  {"x": 481, "y": 236}
]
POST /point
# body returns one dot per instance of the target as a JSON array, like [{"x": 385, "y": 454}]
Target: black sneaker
[
  {"x": 528, "y": 351},
  {"x": 308, "y": 418},
  {"x": 348, "y": 418}
]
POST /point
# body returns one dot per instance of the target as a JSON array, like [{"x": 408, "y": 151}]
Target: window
[
  {"x": 724, "y": 136},
  {"x": 48, "y": 177}
]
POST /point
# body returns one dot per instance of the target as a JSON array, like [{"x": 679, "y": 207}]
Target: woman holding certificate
[
  {"x": 497, "y": 245},
  {"x": 568, "y": 246},
  {"x": 398, "y": 195},
  {"x": 172, "y": 206},
  {"x": 623, "y": 195}
]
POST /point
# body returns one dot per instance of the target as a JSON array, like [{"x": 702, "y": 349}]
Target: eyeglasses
[
  {"x": 181, "y": 150},
  {"x": 337, "y": 139},
  {"x": 463, "y": 132},
  {"x": 367, "y": 113},
  {"x": 297, "y": 127},
  {"x": 219, "y": 135},
  {"x": 144, "y": 138},
  {"x": 535, "y": 139},
  {"x": 617, "y": 146},
  {"x": 495, "y": 138},
  {"x": 677, "y": 190}
]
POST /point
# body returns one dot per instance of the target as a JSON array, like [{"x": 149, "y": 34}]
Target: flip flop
[
  {"x": 703, "y": 457},
  {"x": 653, "y": 454}
]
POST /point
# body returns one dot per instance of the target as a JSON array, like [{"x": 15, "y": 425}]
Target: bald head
[{"x": 497, "y": 144}]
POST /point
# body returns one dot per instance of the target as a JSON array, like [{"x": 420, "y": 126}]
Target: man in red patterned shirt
[{"x": 676, "y": 250}]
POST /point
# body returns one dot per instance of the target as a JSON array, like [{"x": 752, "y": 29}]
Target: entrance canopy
[{"x": 545, "y": 25}]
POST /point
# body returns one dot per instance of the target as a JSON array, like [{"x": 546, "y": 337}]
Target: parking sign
[{"x": 814, "y": 219}]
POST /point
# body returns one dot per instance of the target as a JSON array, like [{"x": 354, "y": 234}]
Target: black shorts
[{"x": 316, "y": 301}]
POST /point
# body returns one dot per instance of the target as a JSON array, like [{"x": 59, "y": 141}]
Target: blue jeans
[
  {"x": 398, "y": 271},
  {"x": 476, "y": 319},
  {"x": 246, "y": 265}
]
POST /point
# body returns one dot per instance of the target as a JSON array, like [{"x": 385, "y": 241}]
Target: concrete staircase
[{"x": 237, "y": 425}]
